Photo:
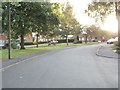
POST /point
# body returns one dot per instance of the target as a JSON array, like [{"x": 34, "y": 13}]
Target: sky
[{"x": 79, "y": 7}]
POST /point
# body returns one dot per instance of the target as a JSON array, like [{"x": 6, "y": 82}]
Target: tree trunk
[
  {"x": 37, "y": 40},
  {"x": 116, "y": 10},
  {"x": 76, "y": 39},
  {"x": 67, "y": 40},
  {"x": 90, "y": 38},
  {"x": 86, "y": 39},
  {"x": 22, "y": 41}
]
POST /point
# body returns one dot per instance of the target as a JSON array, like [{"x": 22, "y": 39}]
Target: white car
[
  {"x": 53, "y": 42},
  {"x": 112, "y": 40}
]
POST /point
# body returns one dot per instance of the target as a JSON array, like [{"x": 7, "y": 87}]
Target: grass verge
[
  {"x": 30, "y": 50},
  {"x": 116, "y": 48}
]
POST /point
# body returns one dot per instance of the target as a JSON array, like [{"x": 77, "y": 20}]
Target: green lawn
[{"x": 30, "y": 50}]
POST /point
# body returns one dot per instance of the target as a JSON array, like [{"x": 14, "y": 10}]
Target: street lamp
[{"x": 9, "y": 32}]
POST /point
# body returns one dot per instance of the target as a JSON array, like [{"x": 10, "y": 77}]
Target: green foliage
[
  {"x": 69, "y": 24},
  {"x": 93, "y": 31},
  {"x": 99, "y": 10},
  {"x": 28, "y": 17},
  {"x": 14, "y": 45}
]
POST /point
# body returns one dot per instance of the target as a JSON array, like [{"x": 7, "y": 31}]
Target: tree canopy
[
  {"x": 29, "y": 17},
  {"x": 100, "y": 10}
]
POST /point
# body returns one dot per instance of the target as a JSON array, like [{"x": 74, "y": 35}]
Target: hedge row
[
  {"x": 64, "y": 41},
  {"x": 14, "y": 44},
  {"x": 31, "y": 43},
  {"x": 59, "y": 41}
]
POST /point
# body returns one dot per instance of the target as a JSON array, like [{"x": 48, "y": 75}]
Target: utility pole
[
  {"x": 119, "y": 23},
  {"x": 9, "y": 32}
]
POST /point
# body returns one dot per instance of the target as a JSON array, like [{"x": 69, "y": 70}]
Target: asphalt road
[{"x": 77, "y": 67}]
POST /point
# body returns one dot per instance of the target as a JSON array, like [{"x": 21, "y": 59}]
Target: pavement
[
  {"x": 77, "y": 67},
  {"x": 105, "y": 50}
]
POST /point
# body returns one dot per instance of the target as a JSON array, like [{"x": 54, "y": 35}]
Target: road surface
[{"x": 77, "y": 67}]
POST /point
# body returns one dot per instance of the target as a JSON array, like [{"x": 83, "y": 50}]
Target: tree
[
  {"x": 19, "y": 20},
  {"x": 91, "y": 32},
  {"x": 67, "y": 21},
  {"x": 94, "y": 31},
  {"x": 76, "y": 29},
  {"x": 28, "y": 17},
  {"x": 45, "y": 20},
  {"x": 99, "y": 10}
]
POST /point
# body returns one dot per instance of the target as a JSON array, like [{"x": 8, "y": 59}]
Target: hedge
[
  {"x": 14, "y": 44},
  {"x": 64, "y": 40},
  {"x": 59, "y": 41}
]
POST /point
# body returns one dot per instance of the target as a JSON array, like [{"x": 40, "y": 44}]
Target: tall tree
[
  {"x": 66, "y": 20},
  {"x": 76, "y": 29}
]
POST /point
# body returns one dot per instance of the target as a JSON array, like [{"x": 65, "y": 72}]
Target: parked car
[{"x": 112, "y": 40}]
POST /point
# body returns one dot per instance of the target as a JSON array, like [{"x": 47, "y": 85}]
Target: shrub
[{"x": 14, "y": 45}]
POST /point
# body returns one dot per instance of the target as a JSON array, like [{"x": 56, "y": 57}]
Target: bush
[{"x": 14, "y": 45}]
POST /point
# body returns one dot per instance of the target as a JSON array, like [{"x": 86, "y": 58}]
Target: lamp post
[
  {"x": 119, "y": 24},
  {"x": 9, "y": 32}
]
